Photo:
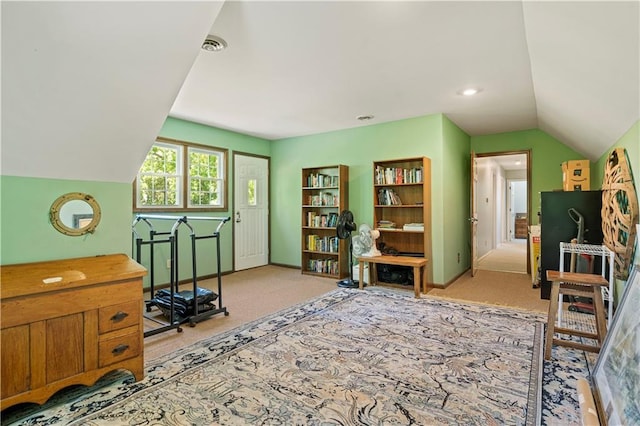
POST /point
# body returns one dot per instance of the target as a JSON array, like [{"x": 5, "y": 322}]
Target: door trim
[{"x": 527, "y": 153}]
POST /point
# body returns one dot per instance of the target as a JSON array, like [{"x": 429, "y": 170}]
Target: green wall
[
  {"x": 28, "y": 236},
  {"x": 456, "y": 201},
  {"x": 631, "y": 142},
  {"x": 547, "y": 156},
  {"x": 357, "y": 148}
]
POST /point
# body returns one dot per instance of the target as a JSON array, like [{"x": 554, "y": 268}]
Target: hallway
[{"x": 507, "y": 257}]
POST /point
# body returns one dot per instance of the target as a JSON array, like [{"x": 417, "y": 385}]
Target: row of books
[
  {"x": 396, "y": 175},
  {"x": 325, "y": 244},
  {"x": 388, "y": 197},
  {"x": 387, "y": 224},
  {"x": 319, "y": 180},
  {"x": 316, "y": 220},
  {"x": 324, "y": 266},
  {"x": 323, "y": 199}
]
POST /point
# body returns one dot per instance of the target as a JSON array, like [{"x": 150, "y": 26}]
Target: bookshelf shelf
[
  {"x": 328, "y": 253},
  {"x": 402, "y": 198},
  {"x": 324, "y": 196},
  {"x": 401, "y": 206},
  {"x": 405, "y": 231}
]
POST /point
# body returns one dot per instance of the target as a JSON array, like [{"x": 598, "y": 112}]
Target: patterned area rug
[{"x": 350, "y": 357}]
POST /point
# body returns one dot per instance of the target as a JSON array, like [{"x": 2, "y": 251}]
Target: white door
[{"x": 251, "y": 215}]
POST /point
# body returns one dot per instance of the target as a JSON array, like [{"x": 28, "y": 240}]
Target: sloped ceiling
[{"x": 86, "y": 86}]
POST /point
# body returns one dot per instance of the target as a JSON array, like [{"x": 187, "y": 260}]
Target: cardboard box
[{"x": 576, "y": 175}]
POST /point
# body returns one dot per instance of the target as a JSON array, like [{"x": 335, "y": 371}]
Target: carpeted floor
[
  {"x": 506, "y": 257},
  {"x": 252, "y": 294},
  {"x": 495, "y": 288},
  {"x": 349, "y": 357}
]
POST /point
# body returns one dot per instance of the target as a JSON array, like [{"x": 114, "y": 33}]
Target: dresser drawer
[
  {"x": 119, "y": 316},
  {"x": 119, "y": 346}
]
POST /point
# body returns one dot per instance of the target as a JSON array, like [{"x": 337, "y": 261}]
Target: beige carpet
[
  {"x": 507, "y": 257},
  {"x": 247, "y": 295},
  {"x": 254, "y": 293},
  {"x": 495, "y": 288}
]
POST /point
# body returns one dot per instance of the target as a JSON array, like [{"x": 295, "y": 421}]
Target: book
[
  {"x": 413, "y": 227},
  {"x": 386, "y": 224}
]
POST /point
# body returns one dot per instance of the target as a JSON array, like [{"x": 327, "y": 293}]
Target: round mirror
[{"x": 75, "y": 214}]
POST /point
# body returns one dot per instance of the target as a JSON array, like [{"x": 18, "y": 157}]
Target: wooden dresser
[
  {"x": 521, "y": 228},
  {"x": 68, "y": 322}
]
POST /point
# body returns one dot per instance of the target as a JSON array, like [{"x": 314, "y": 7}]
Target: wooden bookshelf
[
  {"x": 402, "y": 201},
  {"x": 324, "y": 195}
]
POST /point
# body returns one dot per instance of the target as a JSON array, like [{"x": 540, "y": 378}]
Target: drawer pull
[
  {"x": 119, "y": 316},
  {"x": 118, "y": 350}
]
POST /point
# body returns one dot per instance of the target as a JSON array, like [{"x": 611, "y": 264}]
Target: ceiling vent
[{"x": 214, "y": 44}]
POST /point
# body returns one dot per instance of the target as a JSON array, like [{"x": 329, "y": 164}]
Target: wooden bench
[{"x": 419, "y": 265}]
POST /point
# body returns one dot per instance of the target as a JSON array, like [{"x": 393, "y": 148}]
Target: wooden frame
[
  {"x": 527, "y": 153},
  {"x": 329, "y": 181},
  {"x": 184, "y": 207},
  {"x": 616, "y": 377},
  {"x": 75, "y": 229}
]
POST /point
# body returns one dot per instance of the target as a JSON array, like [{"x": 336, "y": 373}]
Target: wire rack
[{"x": 607, "y": 259}]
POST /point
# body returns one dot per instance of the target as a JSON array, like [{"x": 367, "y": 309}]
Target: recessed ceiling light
[
  {"x": 214, "y": 44},
  {"x": 470, "y": 91},
  {"x": 518, "y": 163},
  {"x": 365, "y": 117}
]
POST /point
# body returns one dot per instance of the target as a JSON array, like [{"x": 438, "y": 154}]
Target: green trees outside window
[{"x": 162, "y": 183}]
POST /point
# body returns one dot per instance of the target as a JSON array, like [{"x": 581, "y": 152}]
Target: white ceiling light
[
  {"x": 214, "y": 44},
  {"x": 470, "y": 91}
]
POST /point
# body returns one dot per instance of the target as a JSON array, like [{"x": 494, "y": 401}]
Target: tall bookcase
[
  {"x": 402, "y": 206},
  {"x": 324, "y": 195}
]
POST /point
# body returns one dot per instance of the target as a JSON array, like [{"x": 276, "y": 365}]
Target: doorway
[
  {"x": 251, "y": 213},
  {"x": 503, "y": 200}
]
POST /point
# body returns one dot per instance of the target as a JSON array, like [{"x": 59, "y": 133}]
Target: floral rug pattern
[{"x": 350, "y": 357}]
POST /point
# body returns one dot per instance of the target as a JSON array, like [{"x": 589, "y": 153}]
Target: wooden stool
[{"x": 581, "y": 285}]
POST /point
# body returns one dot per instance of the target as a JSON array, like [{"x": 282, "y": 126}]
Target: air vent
[{"x": 214, "y": 44}]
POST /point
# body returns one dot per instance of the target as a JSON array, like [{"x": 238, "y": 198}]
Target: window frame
[{"x": 184, "y": 177}]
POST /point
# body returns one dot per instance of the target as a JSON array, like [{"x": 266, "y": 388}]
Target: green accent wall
[
  {"x": 188, "y": 131},
  {"x": 547, "y": 156},
  {"x": 630, "y": 141},
  {"x": 357, "y": 148},
  {"x": 27, "y": 233},
  {"x": 28, "y": 236},
  {"x": 456, "y": 201}
]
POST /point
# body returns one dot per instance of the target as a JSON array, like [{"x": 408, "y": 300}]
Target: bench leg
[
  {"x": 601, "y": 322},
  {"x": 416, "y": 281},
  {"x": 361, "y": 275},
  {"x": 551, "y": 320}
]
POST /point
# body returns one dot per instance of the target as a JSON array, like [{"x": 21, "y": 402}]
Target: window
[
  {"x": 251, "y": 192},
  {"x": 180, "y": 176}
]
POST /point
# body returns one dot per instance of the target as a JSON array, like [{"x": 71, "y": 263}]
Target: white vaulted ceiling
[{"x": 106, "y": 75}]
